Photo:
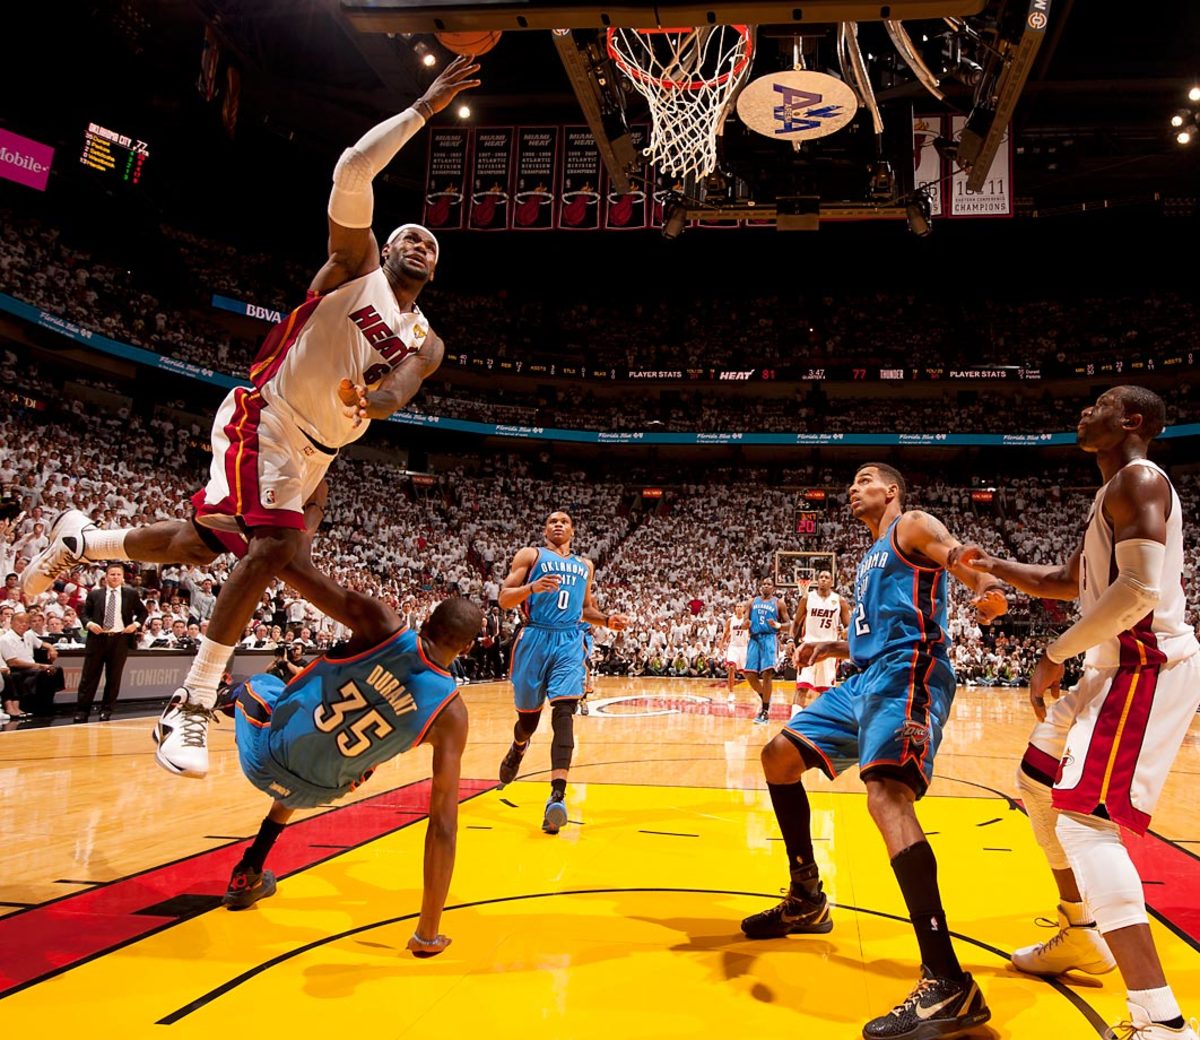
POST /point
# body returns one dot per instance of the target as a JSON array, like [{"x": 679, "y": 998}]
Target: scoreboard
[
  {"x": 113, "y": 153},
  {"x": 806, "y": 521}
]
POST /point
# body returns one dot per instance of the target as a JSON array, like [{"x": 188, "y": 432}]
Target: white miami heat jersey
[
  {"x": 822, "y": 617},
  {"x": 1164, "y": 629},
  {"x": 739, "y": 633},
  {"x": 357, "y": 332}
]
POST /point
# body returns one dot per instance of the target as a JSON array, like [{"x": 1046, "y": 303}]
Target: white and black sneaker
[
  {"x": 64, "y": 552},
  {"x": 936, "y": 1010},
  {"x": 181, "y": 734}
]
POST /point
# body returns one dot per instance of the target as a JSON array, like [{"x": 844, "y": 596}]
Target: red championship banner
[
  {"x": 446, "y": 179},
  {"x": 534, "y": 202},
  {"x": 928, "y": 169},
  {"x": 491, "y": 179},
  {"x": 630, "y": 212},
  {"x": 579, "y": 192}
]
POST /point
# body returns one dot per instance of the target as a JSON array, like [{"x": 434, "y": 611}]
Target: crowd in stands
[{"x": 42, "y": 266}]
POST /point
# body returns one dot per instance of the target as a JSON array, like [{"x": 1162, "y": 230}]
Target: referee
[{"x": 112, "y": 615}]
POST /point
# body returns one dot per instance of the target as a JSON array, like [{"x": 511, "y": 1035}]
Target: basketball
[{"x": 474, "y": 43}]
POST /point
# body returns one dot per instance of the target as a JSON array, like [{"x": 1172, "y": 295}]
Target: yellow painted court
[{"x": 624, "y": 925}]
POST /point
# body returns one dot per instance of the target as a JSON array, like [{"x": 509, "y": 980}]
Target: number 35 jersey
[{"x": 320, "y": 736}]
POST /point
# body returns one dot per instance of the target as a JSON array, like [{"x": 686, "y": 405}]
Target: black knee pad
[
  {"x": 562, "y": 719},
  {"x": 527, "y": 724}
]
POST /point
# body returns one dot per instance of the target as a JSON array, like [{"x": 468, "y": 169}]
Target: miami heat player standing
[
  {"x": 821, "y": 618},
  {"x": 273, "y": 441},
  {"x": 1098, "y": 759}
]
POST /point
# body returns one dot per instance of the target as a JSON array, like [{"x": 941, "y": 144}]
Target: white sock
[
  {"x": 105, "y": 545},
  {"x": 1160, "y": 1004},
  {"x": 208, "y": 666},
  {"x": 1076, "y": 914}
]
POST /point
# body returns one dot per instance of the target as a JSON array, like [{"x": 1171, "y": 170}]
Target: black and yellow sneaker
[
  {"x": 802, "y": 912},
  {"x": 936, "y": 1010}
]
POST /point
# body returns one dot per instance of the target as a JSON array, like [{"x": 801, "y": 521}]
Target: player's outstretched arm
[
  {"x": 921, "y": 533},
  {"x": 514, "y": 591},
  {"x": 448, "y": 737},
  {"x": 353, "y": 250},
  {"x": 1054, "y": 581},
  {"x": 594, "y": 615}
]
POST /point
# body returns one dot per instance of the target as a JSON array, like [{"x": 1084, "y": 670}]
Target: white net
[{"x": 687, "y": 77}]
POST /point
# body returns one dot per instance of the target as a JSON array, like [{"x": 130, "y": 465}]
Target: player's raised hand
[
  {"x": 459, "y": 75},
  {"x": 428, "y": 947},
  {"x": 617, "y": 622},
  {"x": 989, "y": 605},
  {"x": 1046, "y": 679},
  {"x": 354, "y": 397},
  {"x": 546, "y": 583}
]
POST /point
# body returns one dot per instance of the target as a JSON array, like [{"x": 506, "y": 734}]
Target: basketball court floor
[{"x": 625, "y": 924}]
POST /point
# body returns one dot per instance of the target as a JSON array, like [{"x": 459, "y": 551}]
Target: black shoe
[
  {"x": 511, "y": 763},
  {"x": 247, "y": 887},
  {"x": 800, "y": 913},
  {"x": 80, "y": 716},
  {"x": 762, "y": 718},
  {"x": 105, "y": 715},
  {"x": 935, "y": 1010}
]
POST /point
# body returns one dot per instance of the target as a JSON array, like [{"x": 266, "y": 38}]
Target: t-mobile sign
[{"x": 25, "y": 161}]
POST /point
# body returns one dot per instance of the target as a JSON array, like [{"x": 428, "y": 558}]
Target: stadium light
[
  {"x": 1194, "y": 94},
  {"x": 464, "y": 112},
  {"x": 1183, "y": 137},
  {"x": 1177, "y": 120}
]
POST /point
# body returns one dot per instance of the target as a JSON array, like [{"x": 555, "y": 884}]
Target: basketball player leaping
[
  {"x": 553, "y": 587},
  {"x": 889, "y": 719},
  {"x": 272, "y": 443},
  {"x": 1098, "y": 759},
  {"x": 821, "y": 618},
  {"x": 768, "y": 614}
]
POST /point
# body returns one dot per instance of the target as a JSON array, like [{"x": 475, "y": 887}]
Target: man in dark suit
[{"x": 112, "y": 615}]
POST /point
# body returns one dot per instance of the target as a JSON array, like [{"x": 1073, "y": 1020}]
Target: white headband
[{"x": 417, "y": 227}]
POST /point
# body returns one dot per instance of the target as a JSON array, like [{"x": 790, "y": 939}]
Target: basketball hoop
[{"x": 687, "y": 77}]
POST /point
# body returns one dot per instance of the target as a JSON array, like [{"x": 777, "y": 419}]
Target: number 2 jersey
[
  {"x": 899, "y": 605},
  {"x": 322, "y": 734}
]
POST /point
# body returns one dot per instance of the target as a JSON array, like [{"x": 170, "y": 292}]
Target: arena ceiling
[{"x": 1092, "y": 123}]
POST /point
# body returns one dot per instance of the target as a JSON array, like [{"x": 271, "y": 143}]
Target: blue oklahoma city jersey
[
  {"x": 898, "y": 605},
  {"x": 335, "y": 722},
  {"x": 564, "y": 608},
  {"x": 763, "y": 611}
]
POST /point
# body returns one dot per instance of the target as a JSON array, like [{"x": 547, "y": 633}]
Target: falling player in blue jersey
[
  {"x": 888, "y": 718},
  {"x": 553, "y": 587},
  {"x": 325, "y": 732},
  {"x": 768, "y": 614}
]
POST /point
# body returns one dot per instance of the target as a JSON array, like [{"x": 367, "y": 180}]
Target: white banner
[
  {"x": 927, "y": 162},
  {"x": 995, "y": 199}
]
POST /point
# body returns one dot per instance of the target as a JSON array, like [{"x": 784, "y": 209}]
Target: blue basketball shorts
[
  {"x": 889, "y": 715},
  {"x": 762, "y": 653},
  {"x": 547, "y": 664}
]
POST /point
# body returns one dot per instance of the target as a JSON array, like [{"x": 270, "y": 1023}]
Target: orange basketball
[{"x": 469, "y": 42}]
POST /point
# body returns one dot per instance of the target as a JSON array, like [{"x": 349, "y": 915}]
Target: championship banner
[
  {"x": 446, "y": 179},
  {"x": 995, "y": 199},
  {"x": 927, "y": 163},
  {"x": 630, "y": 212},
  {"x": 537, "y": 162},
  {"x": 579, "y": 192},
  {"x": 491, "y": 185}
]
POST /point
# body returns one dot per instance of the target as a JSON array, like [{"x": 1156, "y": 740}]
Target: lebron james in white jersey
[
  {"x": 1098, "y": 758},
  {"x": 822, "y": 618}
]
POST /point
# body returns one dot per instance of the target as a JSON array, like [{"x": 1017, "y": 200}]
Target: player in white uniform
[
  {"x": 822, "y": 619},
  {"x": 357, "y": 349},
  {"x": 736, "y": 639},
  {"x": 1098, "y": 759}
]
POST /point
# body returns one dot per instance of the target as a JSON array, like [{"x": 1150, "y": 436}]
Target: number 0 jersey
[
  {"x": 564, "y": 608},
  {"x": 339, "y": 719},
  {"x": 899, "y": 605}
]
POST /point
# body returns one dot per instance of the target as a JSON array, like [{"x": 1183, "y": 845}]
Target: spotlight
[
  {"x": 1194, "y": 94},
  {"x": 424, "y": 54},
  {"x": 1183, "y": 137},
  {"x": 674, "y": 217},
  {"x": 428, "y": 60},
  {"x": 464, "y": 112},
  {"x": 1177, "y": 120},
  {"x": 919, "y": 213}
]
